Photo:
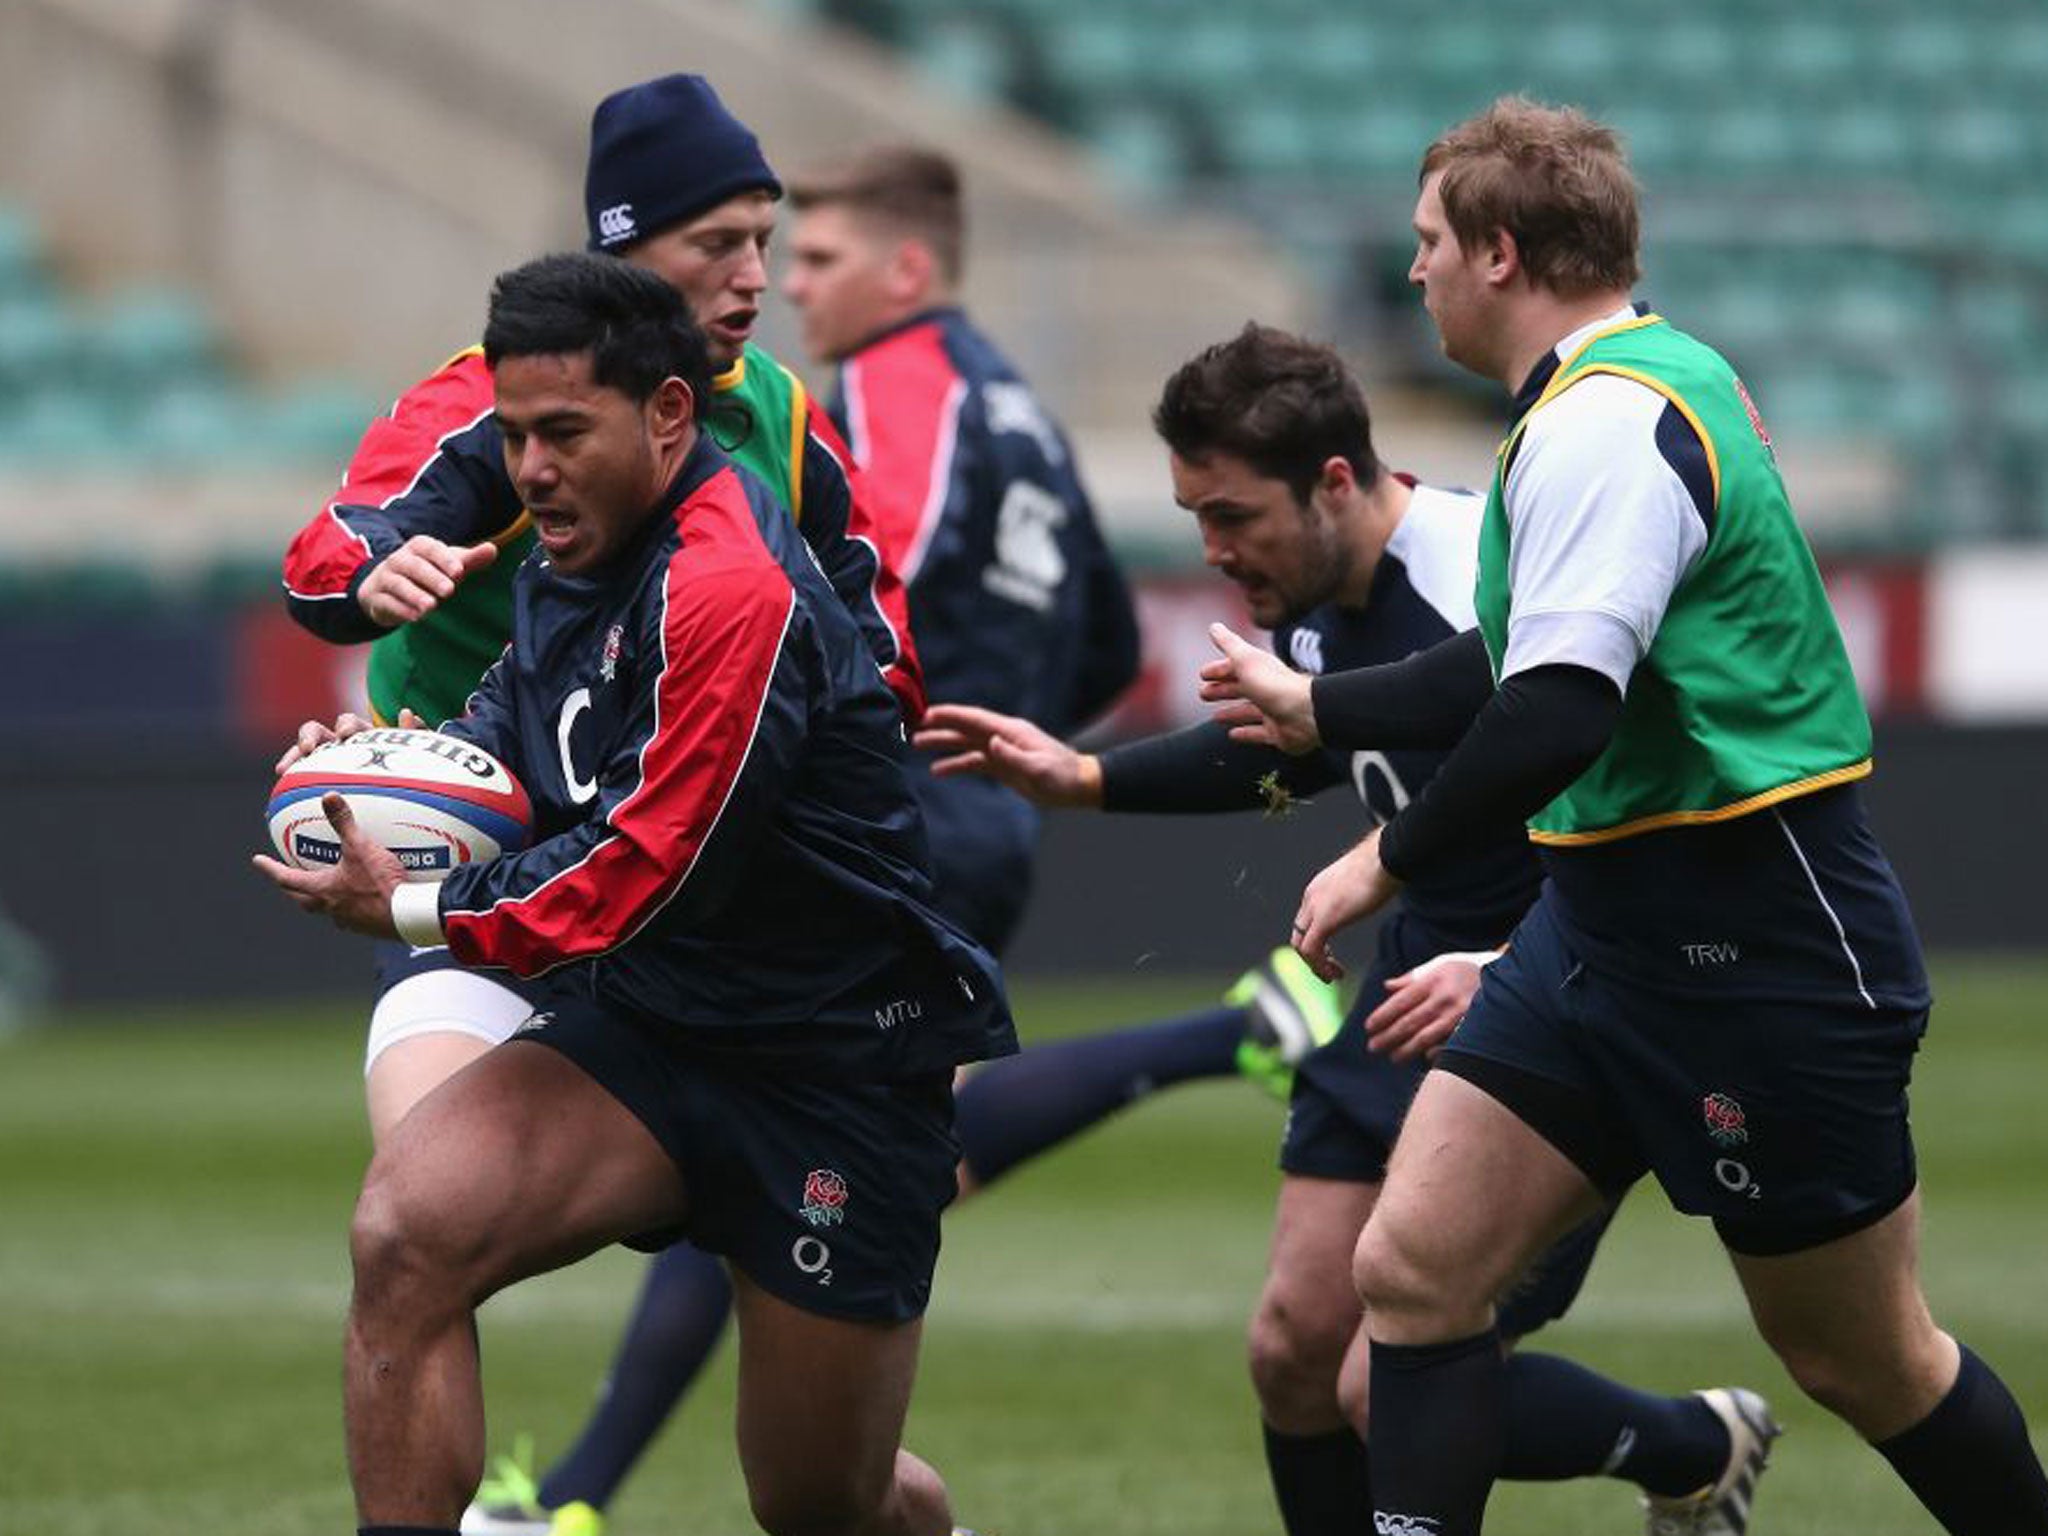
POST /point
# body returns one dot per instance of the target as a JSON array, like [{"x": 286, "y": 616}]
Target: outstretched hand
[
  {"x": 356, "y": 892},
  {"x": 1354, "y": 886},
  {"x": 1266, "y": 701},
  {"x": 1423, "y": 1006},
  {"x": 1011, "y": 751},
  {"x": 417, "y": 577}
]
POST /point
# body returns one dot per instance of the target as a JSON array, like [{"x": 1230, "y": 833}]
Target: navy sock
[
  {"x": 1566, "y": 1421},
  {"x": 675, "y": 1325},
  {"x": 1013, "y": 1109},
  {"x": 1438, "y": 1421},
  {"x": 1320, "y": 1482},
  {"x": 1970, "y": 1462}
]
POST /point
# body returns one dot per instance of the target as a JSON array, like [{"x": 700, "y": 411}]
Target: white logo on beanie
[{"x": 615, "y": 223}]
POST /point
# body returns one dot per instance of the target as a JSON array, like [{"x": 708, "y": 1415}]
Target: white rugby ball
[{"x": 435, "y": 802}]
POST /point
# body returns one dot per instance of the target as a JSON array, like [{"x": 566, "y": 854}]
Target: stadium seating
[
  {"x": 1845, "y": 194},
  {"x": 143, "y": 377}
]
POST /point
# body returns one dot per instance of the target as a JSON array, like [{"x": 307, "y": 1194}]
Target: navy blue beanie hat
[{"x": 664, "y": 151}]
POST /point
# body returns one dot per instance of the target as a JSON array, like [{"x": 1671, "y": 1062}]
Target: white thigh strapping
[{"x": 444, "y": 1002}]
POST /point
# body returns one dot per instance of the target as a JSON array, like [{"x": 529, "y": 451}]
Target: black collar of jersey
[
  {"x": 1546, "y": 370},
  {"x": 938, "y": 312}
]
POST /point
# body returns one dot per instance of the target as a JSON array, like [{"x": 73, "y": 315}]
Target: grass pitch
[{"x": 174, "y": 1193}]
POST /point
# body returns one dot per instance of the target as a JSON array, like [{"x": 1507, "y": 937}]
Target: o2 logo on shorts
[
  {"x": 825, "y": 1196},
  {"x": 812, "y": 1257},
  {"x": 1728, "y": 1126},
  {"x": 1736, "y": 1178}
]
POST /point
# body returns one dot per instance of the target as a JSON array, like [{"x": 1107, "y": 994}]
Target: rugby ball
[{"x": 435, "y": 802}]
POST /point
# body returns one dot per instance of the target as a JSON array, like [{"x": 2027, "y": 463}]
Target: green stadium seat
[
  {"x": 154, "y": 340},
  {"x": 1142, "y": 146},
  {"x": 1981, "y": 143},
  {"x": 1460, "y": 57},
  {"x": 1207, "y": 58},
  {"x": 1693, "y": 54},
  {"x": 1877, "y": 312},
  {"x": 1336, "y": 53},
  {"x": 1868, "y": 142},
  {"x": 22, "y": 277},
  {"x": 2001, "y": 324},
  {"x": 1759, "y": 127},
  {"x": 65, "y": 427},
  {"x": 197, "y": 423},
  {"x": 2019, "y": 55},
  {"x": 315, "y": 422},
  {"x": 1270, "y": 141},
  {"x": 41, "y": 344},
  {"x": 1382, "y": 141},
  {"x": 1570, "y": 55},
  {"x": 2017, "y": 221},
  {"x": 1807, "y": 53},
  {"x": 1754, "y": 140},
  {"x": 1929, "y": 51},
  {"x": 967, "y": 55},
  {"x": 1097, "y": 55}
]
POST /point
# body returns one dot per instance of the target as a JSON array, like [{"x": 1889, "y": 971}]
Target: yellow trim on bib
[
  {"x": 1664, "y": 819},
  {"x": 799, "y": 434}
]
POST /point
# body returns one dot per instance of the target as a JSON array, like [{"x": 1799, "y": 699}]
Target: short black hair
[
  {"x": 637, "y": 329},
  {"x": 1283, "y": 404}
]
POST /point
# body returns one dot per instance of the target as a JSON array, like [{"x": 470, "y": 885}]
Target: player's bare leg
[
  {"x": 426, "y": 1027},
  {"x": 1472, "y": 1196},
  {"x": 821, "y": 1408},
  {"x": 520, "y": 1165},
  {"x": 406, "y": 1072},
  {"x": 1307, "y": 1352},
  {"x": 1851, "y": 1326},
  {"x": 1308, "y": 1314}
]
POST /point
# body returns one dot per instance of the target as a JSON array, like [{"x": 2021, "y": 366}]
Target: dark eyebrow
[{"x": 554, "y": 420}]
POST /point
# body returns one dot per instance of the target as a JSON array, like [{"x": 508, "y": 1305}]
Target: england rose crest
[
  {"x": 824, "y": 1198},
  {"x": 1726, "y": 1122}
]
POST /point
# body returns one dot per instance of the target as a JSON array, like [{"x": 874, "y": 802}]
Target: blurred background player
[
  {"x": 728, "y": 887},
  {"x": 1015, "y": 602},
  {"x": 418, "y": 550},
  {"x": 1349, "y": 563}
]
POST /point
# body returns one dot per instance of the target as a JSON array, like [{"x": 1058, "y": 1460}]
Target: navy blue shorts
[
  {"x": 1347, "y": 1110},
  {"x": 1348, "y": 1102},
  {"x": 1784, "y": 1121},
  {"x": 826, "y": 1193}
]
